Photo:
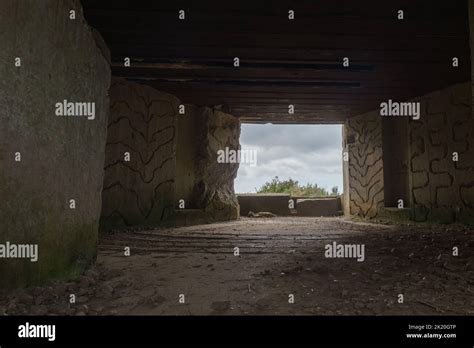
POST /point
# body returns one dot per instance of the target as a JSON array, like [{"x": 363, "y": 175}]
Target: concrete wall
[
  {"x": 439, "y": 188},
  {"x": 62, "y": 158},
  {"x": 328, "y": 206},
  {"x": 279, "y": 204},
  {"x": 142, "y": 123},
  {"x": 173, "y": 157},
  {"x": 210, "y": 187},
  {"x": 276, "y": 203},
  {"x": 363, "y": 173}
]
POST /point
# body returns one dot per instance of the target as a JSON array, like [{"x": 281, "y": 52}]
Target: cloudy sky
[{"x": 307, "y": 153}]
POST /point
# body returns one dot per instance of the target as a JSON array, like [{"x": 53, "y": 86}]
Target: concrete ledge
[
  {"x": 318, "y": 207},
  {"x": 276, "y": 203}
]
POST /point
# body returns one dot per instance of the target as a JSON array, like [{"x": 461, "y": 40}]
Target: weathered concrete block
[
  {"x": 205, "y": 185},
  {"x": 318, "y": 207},
  {"x": 62, "y": 158},
  {"x": 364, "y": 172},
  {"x": 140, "y": 162},
  {"x": 276, "y": 203},
  {"x": 213, "y": 190},
  {"x": 437, "y": 185},
  {"x": 172, "y": 161},
  {"x": 437, "y": 182}
]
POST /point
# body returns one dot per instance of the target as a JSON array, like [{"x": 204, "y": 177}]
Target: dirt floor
[{"x": 278, "y": 257}]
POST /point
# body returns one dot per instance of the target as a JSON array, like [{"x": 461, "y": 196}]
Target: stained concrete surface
[
  {"x": 329, "y": 206},
  {"x": 278, "y": 257},
  {"x": 276, "y": 203},
  {"x": 438, "y": 188},
  {"x": 142, "y": 123},
  {"x": 62, "y": 157}
]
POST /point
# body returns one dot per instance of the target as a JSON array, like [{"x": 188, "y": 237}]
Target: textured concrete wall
[
  {"x": 173, "y": 157},
  {"x": 364, "y": 170},
  {"x": 214, "y": 182},
  {"x": 142, "y": 123},
  {"x": 62, "y": 158},
  {"x": 442, "y": 189}
]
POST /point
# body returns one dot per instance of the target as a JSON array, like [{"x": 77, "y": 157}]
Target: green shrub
[{"x": 295, "y": 189}]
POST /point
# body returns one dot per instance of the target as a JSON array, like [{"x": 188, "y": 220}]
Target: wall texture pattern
[
  {"x": 364, "y": 169},
  {"x": 139, "y": 190},
  {"x": 440, "y": 155},
  {"x": 442, "y": 189},
  {"x": 214, "y": 181}
]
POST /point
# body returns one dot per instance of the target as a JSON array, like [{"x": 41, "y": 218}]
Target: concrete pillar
[
  {"x": 210, "y": 187},
  {"x": 51, "y": 162},
  {"x": 363, "y": 174},
  {"x": 140, "y": 163}
]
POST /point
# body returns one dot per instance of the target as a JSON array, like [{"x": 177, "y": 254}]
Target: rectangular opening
[{"x": 298, "y": 170}]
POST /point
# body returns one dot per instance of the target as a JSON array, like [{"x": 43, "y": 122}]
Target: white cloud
[{"x": 307, "y": 153}]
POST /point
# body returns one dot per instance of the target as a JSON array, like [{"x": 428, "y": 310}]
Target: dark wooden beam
[{"x": 283, "y": 61}]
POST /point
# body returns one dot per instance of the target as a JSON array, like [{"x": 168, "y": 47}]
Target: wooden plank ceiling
[{"x": 286, "y": 61}]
